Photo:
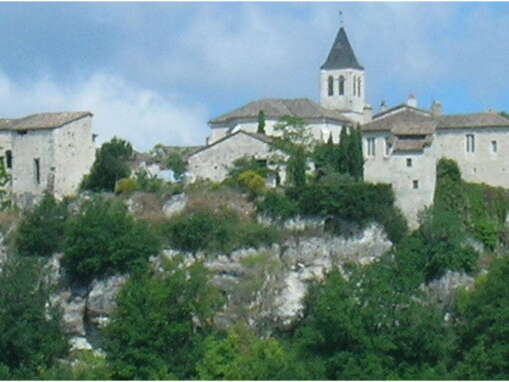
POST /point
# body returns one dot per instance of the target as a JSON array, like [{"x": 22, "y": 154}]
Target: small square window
[
  {"x": 494, "y": 147},
  {"x": 415, "y": 184},
  {"x": 409, "y": 162}
]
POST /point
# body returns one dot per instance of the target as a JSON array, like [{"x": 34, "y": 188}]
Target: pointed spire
[{"x": 341, "y": 55}]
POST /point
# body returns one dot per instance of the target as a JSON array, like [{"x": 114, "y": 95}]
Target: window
[
  {"x": 331, "y": 85},
  {"x": 470, "y": 143},
  {"x": 415, "y": 184},
  {"x": 387, "y": 146},
  {"x": 409, "y": 162},
  {"x": 37, "y": 171},
  {"x": 371, "y": 147},
  {"x": 22, "y": 132},
  {"x": 494, "y": 147},
  {"x": 354, "y": 85},
  {"x": 341, "y": 85},
  {"x": 8, "y": 158},
  {"x": 359, "y": 86}
]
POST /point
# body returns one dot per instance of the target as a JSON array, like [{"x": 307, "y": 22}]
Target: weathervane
[{"x": 341, "y": 18}]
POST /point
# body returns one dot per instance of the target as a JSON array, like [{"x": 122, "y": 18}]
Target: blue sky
[{"x": 157, "y": 72}]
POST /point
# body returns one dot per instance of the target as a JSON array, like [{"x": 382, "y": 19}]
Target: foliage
[
  {"x": 215, "y": 231},
  {"x": 86, "y": 366},
  {"x": 41, "y": 230},
  {"x": 244, "y": 356},
  {"x": 104, "y": 238},
  {"x": 370, "y": 326},
  {"x": 126, "y": 185},
  {"x": 178, "y": 304},
  {"x": 277, "y": 206},
  {"x": 324, "y": 157},
  {"x": 147, "y": 182},
  {"x": 295, "y": 142},
  {"x": 247, "y": 163},
  {"x": 177, "y": 164},
  {"x": 482, "y": 316},
  {"x": 261, "y": 123},
  {"x": 30, "y": 331},
  {"x": 5, "y": 179},
  {"x": 111, "y": 164},
  {"x": 252, "y": 182}
]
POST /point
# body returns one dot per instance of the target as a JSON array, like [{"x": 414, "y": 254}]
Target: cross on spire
[{"x": 341, "y": 22}]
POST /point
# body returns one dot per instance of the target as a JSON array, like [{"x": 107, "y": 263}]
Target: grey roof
[
  {"x": 402, "y": 106},
  {"x": 410, "y": 145},
  {"x": 406, "y": 117},
  {"x": 275, "y": 108},
  {"x": 486, "y": 119},
  {"x": 264, "y": 138},
  {"x": 42, "y": 120},
  {"x": 341, "y": 55}
]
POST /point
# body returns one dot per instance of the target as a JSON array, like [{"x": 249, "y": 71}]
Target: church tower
[{"x": 342, "y": 82}]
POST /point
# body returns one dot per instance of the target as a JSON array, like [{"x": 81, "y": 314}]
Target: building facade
[{"x": 46, "y": 152}]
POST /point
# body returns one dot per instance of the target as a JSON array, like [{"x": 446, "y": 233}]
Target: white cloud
[{"x": 141, "y": 116}]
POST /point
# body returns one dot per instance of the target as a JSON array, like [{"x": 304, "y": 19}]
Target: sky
[{"x": 158, "y": 72}]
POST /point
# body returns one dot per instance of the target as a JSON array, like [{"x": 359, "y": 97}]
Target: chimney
[
  {"x": 436, "y": 108},
  {"x": 383, "y": 106},
  {"x": 367, "y": 113},
  {"x": 411, "y": 101}
]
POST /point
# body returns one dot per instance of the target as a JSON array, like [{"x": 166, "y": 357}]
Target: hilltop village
[{"x": 302, "y": 241}]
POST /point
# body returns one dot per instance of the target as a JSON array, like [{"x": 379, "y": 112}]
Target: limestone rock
[
  {"x": 101, "y": 298},
  {"x": 442, "y": 290},
  {"x": 174, "y": 205},
  {"x": 79, "y": 343},
  {"x": 73, "y": 307}
]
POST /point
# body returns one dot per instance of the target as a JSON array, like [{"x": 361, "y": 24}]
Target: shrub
[
  {"x": 177, "y": 164},
  {"x": 126, "y": 185},
  {"x": 41, "y": 231},
  {"x": 252, "y": 182},
  {"x": 104, "y": 238},
  {"x": 277, "y": 206}
]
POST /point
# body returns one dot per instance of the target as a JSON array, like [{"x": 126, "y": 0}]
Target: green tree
[
  {"x": 296, "y": 143},
  {"x": 261, "y": 123},
  {"x": 371, "y": 326},
  {"x": 160, "y": 322},
  {"x": 177, "y": 164},
  {"x": 41, "y": 230},
  {"x": 482, "y": 316},
  {"x": 111, "y": 164},
  {"x": 244, "y": 356},
  {"x": 5, "y": 179},
  {"x": 355, "y": 156},
  {"x": 30, "y": 333},
  {"x": 342, "y": 158},
  {"x": 102, "y": 238}
]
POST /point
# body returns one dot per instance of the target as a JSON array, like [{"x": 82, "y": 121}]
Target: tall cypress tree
[
  {"x": 261, "y": 122},
  {"x": 355, "y": 158},
  {"x": 342, "y": 165}
]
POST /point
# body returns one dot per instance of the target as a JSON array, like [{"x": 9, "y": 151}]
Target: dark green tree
[
  {"x": 355, "y": 157},
  {"x": 261, "y": 123},
  {"x": 342, "y": 157},
  {"x": 483, "y": 348},
  {"x": 104, "y": 238},
  {"x": 160, "y": 323},
  {"x": 111, "y": 164},
  {"x": 41, "y": 230},
  {"x": 31, "y": 338},
  {"x": 177, "y": 164}
]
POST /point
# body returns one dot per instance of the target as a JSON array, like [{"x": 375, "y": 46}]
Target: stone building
[
  {"x": 46, "y": 152},
  {"x": 401, "y": 145}
]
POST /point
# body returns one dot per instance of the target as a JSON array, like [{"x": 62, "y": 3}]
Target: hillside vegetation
[{"x": 359, "y": 321}]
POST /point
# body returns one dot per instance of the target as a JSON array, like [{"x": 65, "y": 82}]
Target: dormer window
[
  {"x": 331, "y": 86},
  {"x": 341, "y": 85}
]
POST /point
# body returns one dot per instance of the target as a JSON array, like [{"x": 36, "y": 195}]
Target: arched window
[
  {"x": 331, "y": 85},
  {"x": 359, "y": 86},
  {"x": 341, "y": 85}
]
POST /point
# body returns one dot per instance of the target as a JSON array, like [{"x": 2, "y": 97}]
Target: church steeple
[
  {"x": 342, "y": 80},
  {"x": 341, "y": 55}
]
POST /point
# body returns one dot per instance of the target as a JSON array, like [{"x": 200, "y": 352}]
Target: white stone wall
[
  {"x": 213, "y": 162},
  {"x": 65, "y": 155},
  {"x": 348, "y": 101},
  {"x": 483, "y": 165},
  {"x": 319, "y": 130},
  {"x": 393, "y": 169},
  {"x": 74, "y": 155}
]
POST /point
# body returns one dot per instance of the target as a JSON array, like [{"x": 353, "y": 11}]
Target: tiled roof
[
  {"x": 341, "y": 55},
  {"x": 264, "y": 138},
  {"x": 487, "y": 119},
  {"x": 42, "y": 121},
  {"x": 275, "y": 108},
  {"x": 406, "y": 117}
]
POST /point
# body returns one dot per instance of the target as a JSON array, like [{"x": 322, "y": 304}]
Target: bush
[
  {"x": 103, "y": 238},
  {"x": 277, "y": 206},
  {"x": 126, "y": 186},
  {"x": 252, "y": 182},
  {"x": 41, "y": 231},
  {"x": 215, "y": 231}
]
